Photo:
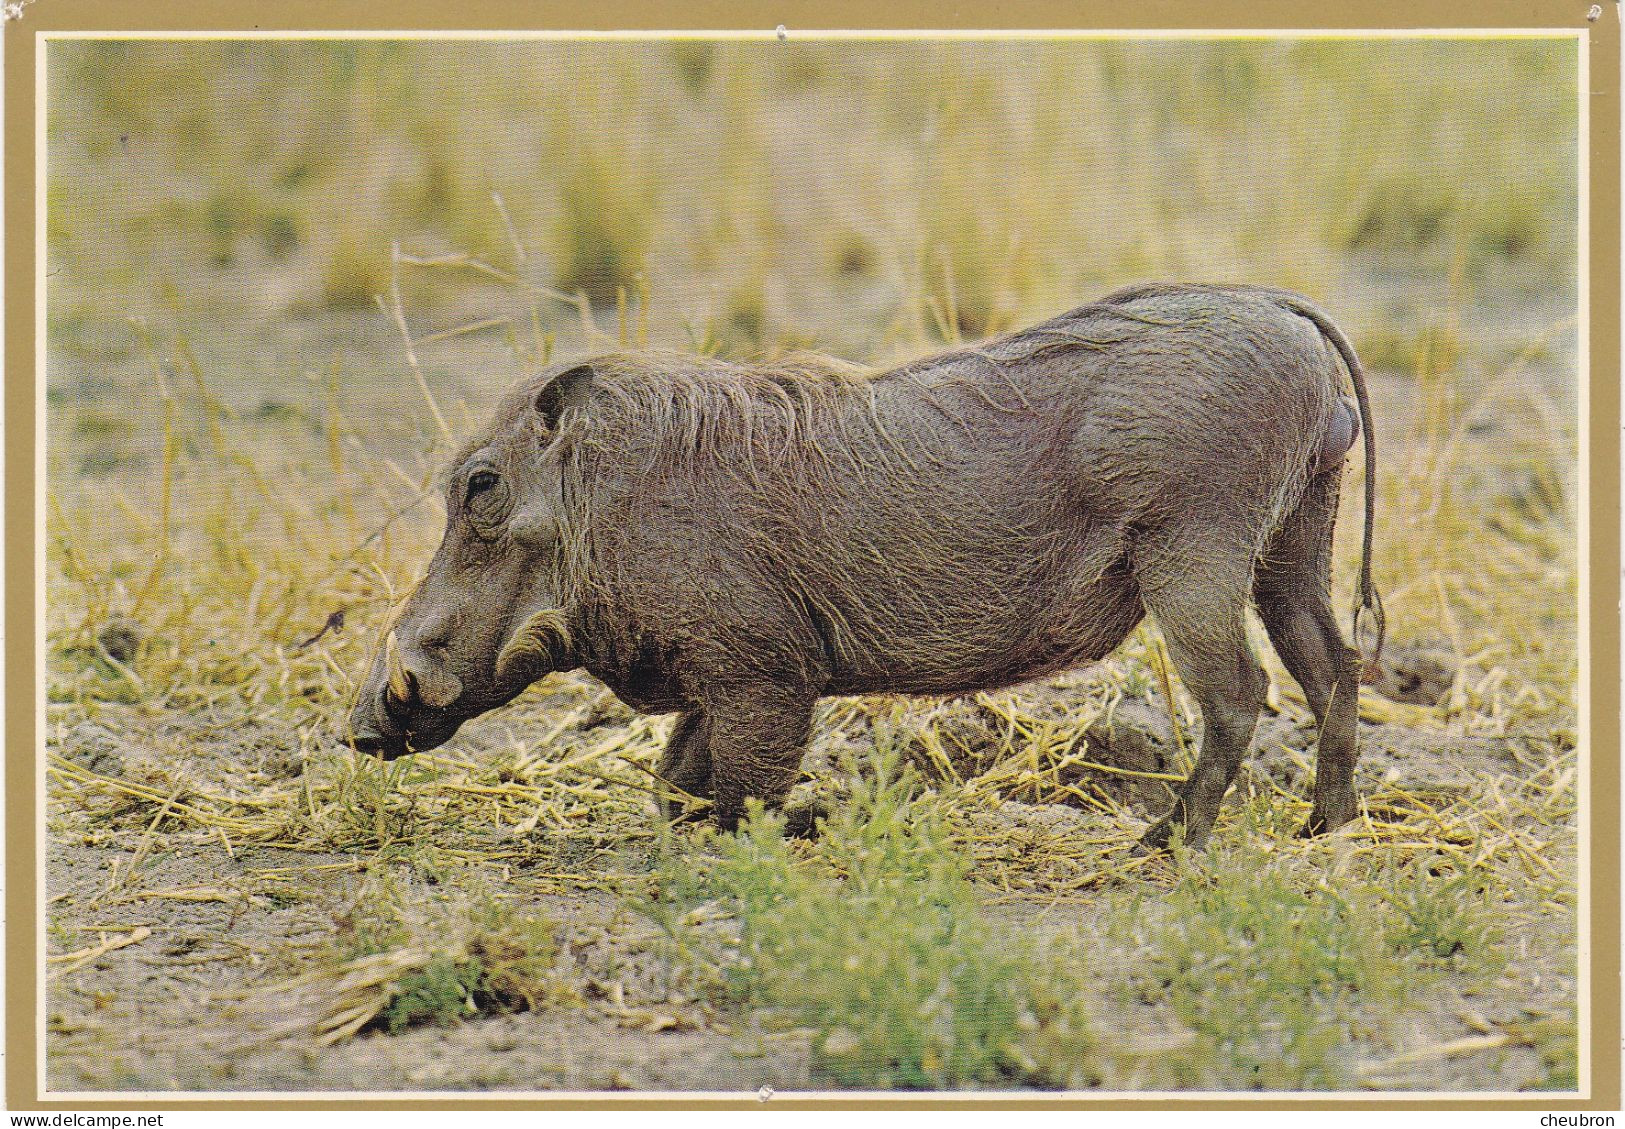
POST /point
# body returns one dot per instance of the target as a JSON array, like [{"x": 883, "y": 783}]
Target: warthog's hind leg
[
  {"x": 1198, "y": 593},
  {"x": 1293, "y": 594}
]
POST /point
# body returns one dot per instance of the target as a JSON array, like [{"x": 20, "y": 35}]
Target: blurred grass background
[{"x": 837, "y": 190}]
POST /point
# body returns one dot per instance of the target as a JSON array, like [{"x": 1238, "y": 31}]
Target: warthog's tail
[{"x": 1368, "y": 602}]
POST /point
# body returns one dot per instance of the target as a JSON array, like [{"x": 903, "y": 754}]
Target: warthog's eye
[{"x": 485, "y": 501}]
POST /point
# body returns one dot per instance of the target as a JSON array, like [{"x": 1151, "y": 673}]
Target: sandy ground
[{"x": 184, "y": 1007}]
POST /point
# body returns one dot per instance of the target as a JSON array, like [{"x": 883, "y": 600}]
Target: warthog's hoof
[
  {"x": 801, "y": 822},
  {"x": 1162, "y": 834},
  {"x": 1319, "y": 824},
  {"x": 1154, "y": 841}
]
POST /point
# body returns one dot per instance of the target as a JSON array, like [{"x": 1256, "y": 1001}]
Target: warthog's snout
[
  {"x": 370, "y": 728},
  {"x": 367, "y": 738},
  {"x": 404, "y": 706},
  {"x": 413, "y": 680}
]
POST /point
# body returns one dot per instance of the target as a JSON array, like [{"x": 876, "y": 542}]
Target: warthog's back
[{"x": 963, "y": 519}]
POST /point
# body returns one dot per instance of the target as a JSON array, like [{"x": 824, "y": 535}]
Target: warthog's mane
[
  {"x": 659, "y": 410},
  {"x": 670, "y": 407},
  {"x": 678, "y": 408},
  {"x": 799, "y": 368}
]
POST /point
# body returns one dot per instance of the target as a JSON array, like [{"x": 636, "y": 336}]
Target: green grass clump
[
  {"x": 1444, "y": 916},
  {"x": 392, "y": 965},
  {"x": 876, "y": 942},
  {"x": 1279, "y": 969},
  {"x": 441, "y": 994},
  {"x": 1261, "y": 971},
  {"x": 510, "y": 965}
]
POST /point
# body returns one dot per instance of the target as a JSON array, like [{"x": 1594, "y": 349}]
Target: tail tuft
[{"x": 1375, "y": 625}]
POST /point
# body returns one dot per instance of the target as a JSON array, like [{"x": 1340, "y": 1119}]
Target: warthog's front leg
[
  {"x": 686, "y": 764},
  {"x": 758, "y": 735}
]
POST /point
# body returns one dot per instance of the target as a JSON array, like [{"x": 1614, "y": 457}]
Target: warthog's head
[{"x": 486, "y": 621}]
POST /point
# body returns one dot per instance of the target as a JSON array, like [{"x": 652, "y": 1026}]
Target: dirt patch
[
  {"x": 1128, "y": 754},
  {"x": 172, "y": 945},
  {"x": 186, "y": 1006}
]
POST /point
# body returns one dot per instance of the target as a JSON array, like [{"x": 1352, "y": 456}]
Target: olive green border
[{"x": 21, "y": 724}]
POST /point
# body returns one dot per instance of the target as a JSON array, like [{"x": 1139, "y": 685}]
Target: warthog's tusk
[{"x": 399, "y": 688}]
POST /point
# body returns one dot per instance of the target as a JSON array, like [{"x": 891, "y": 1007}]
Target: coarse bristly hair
[
  {"x": 738, "y": 539},
  {"x": 808, "y": 422}
]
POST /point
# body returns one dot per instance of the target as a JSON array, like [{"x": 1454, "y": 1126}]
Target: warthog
[{"x": 731, "y": 542}]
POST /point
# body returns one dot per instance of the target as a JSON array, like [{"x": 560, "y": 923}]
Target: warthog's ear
[{"x": 569, "y": 389}]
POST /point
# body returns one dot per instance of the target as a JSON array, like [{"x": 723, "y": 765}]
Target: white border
[{"x": 1586, "y": 749}]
